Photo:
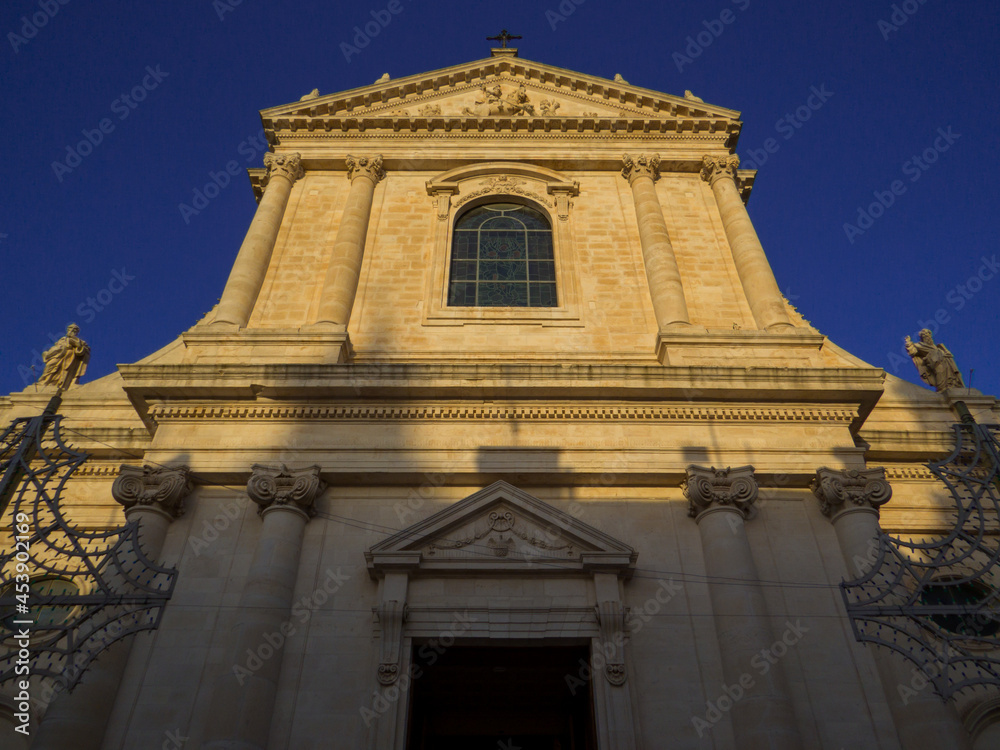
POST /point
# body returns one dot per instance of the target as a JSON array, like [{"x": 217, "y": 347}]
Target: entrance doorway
[{"x": 493, "y": 698}]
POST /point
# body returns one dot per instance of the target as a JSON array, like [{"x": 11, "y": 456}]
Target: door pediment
[{"x": 505, "y": 530}]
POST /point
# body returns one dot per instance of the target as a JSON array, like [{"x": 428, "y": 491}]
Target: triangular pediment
[
  {"x": 508, "y": 90},
  {"x": 501, "y": 528}
]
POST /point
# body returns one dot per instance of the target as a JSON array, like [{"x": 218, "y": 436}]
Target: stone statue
[
  {"x": 692, "y": 97},
  {"x": 66, "y": 361},
  {"x": 519, "y": 103},
  {"x": 493, "y": 99},
  {"x": 311, "y": 95},
  {"x": 934, "y": 362}
]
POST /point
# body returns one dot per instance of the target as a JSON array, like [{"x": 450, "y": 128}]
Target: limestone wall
[
  {"x": 615, "y": 313},
  {"x": 328, "y": 671}
]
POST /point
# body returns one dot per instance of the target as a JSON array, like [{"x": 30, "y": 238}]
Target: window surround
[{"x": 544, "y": 190}]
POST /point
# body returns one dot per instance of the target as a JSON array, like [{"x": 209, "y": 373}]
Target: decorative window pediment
[
  {"x": 502, "y": 529},
  {"x": 542, "y": 289}
]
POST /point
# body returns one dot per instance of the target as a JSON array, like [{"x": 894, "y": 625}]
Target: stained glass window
[{"x": 501, "y": 256}]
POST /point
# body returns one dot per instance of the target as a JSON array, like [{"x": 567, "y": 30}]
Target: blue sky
[{"x": 845, "y": 105}]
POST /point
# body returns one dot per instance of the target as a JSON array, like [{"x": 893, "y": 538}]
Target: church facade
[{"x": 503, "y": 435}]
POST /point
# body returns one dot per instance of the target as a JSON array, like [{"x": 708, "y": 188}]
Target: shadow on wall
[{"x": 518, "y": 465}]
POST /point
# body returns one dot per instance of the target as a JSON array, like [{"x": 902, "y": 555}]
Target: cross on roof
[{"x": 503, "y": 37}]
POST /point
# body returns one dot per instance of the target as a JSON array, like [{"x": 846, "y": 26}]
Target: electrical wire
[{"x": 555, "y": 564}]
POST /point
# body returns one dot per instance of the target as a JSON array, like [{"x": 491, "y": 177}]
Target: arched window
[{"x": 501, "y": 256}]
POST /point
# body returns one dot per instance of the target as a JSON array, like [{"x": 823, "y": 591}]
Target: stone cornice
[
  {"x": 107, "y": 442},
  {"x": 557, "y": 126},
  {"x": 914, "y": 472},
  {"x": 687, "y": 160},
  {"x": 652, "y": 374},
  {"x": 286, "y": 381},
  {"x": 476, "y": 411},
  {"x": 93, "y": 469},
  {"x": 397, "y": 157},
  {"x": 907, "y": 445}
]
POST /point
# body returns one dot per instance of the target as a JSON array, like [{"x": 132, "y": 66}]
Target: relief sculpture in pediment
[
  {"x": 492, "y": 100},
  {"x": 499, "y": 532}
]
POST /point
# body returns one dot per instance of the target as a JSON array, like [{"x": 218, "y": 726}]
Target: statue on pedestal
[
  {"x": 934, "y": 362},
  {"x": 66, "y": 361}
]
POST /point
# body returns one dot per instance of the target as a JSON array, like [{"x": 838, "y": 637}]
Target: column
[
  {"x": 851, "y": 499},
  {"x": 243, "y": 700},
  {"x": 751, "y": 263},
  {"x": 251, "y": 264},
  {"x": 341, "y": 283},
  {"x": 153, "y": 497},
  {"x": 657, "y": 253},
  {"x": 763, "y": 718}
]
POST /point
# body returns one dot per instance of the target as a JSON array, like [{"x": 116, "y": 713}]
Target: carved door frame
[{"x": 503, "y": 514}]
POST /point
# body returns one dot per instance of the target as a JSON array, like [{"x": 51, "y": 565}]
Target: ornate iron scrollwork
[
  {"x": 80, "y": 590},
  {"x": 937, "y": 602}
]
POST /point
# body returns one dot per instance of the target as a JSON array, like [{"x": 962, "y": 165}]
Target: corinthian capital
[
  {"x": 280, "y": 487},
  {"x": 158, "y": 488},
  {"x": 288, "y": 166},
  {"x": 715, "y": 167},
  {"x": 643, "y": 165},
  {"x": 852, "y": 488},
  {"x": 365, "y": 166},
  {"x": 705, "y": 488}
]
